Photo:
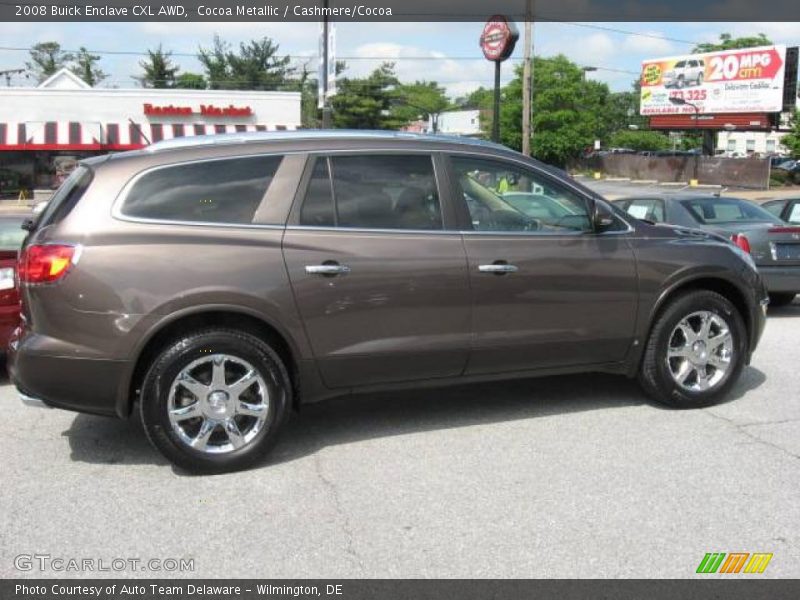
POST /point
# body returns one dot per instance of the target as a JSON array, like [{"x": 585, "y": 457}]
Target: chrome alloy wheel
[
  {"x": 218, "y": 404},
  {"x": 700, "y": 351}
]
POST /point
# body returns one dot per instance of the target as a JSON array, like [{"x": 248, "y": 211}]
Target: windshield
[{"x": 712, "y": 211}]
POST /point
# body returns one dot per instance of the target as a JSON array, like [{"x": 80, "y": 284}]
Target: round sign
[{"x": 498, "y": 38}]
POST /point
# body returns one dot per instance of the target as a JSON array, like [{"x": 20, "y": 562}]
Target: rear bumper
[
  {"x": 72, "y": 383},
  {"x": 781, "y": 279}
]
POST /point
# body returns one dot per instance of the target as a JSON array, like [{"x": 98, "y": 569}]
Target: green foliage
[
  {"x": 86, "y": 67},
  {"x": 191, "y": 81},
  {"x": 256, "y": 66},
  {"x": 569, "y": 111},
  {"x": 46, "y": 59},
  {"x": 639, "y": 140},
  {"x": 728, "y": 42},
  {"x": 792, "y": 139},
  {"x": 367, "y": 102},
  {"x": 160, "y": 72},
  {"x": 422, "y": 99}
]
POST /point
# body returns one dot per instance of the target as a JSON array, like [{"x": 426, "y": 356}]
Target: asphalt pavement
[{"x": 575, "y": 476}]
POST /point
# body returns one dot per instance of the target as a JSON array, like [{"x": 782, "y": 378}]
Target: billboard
[{"x": 748, "y": 80}]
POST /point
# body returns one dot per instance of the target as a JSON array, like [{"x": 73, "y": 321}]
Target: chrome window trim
[{"x": 371, "y": 230}]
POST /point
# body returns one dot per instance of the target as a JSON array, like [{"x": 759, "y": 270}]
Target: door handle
[
  {"x": 327, "y": 269},
  {"x": 498, "y": 268}
]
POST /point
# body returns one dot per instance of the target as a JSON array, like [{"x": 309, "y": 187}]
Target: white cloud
[{"x": 654, "y": 45}]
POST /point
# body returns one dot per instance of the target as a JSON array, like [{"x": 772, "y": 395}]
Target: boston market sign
[
  {"x": 498, "y": 38},
  {"x": 206, "y": 110}
]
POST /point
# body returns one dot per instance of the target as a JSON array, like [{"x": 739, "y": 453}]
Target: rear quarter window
[
  {"x": 215, "y": 191},
  {"x": 66, "y": 197}
]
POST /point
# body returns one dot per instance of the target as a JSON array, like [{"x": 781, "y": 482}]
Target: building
[
  {"x": 745, "y": 143},
  {"x": 460, "y": 122},
  {"x": 46, "y": 129},
  {"x": 454, "y": 122}
]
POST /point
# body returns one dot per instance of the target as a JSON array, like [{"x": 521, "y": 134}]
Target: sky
[{"x": 450, "y": 51}]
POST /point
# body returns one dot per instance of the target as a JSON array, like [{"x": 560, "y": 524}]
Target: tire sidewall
[
  {"x": 159, "y": 379},
  {"x": 671, "y": 317}
]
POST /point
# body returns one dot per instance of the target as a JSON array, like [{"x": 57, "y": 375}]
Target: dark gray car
[
  {"x": 219, "y": 283},
  {"x": 774, "y": 246}
]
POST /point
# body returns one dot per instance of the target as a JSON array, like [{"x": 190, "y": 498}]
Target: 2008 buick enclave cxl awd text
[{"x": 221, "y": 282}]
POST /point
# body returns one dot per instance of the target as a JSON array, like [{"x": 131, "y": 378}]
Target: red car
[{"x": 11, "y": 236}]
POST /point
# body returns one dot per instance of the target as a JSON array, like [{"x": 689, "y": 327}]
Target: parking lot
[{"x": 559, "y": 477}]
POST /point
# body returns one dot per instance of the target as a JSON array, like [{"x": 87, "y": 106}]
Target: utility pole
[
  {"x": 8, "y": 73},
  {"x": 326, "y": 107},
  {"x": 527, "y": 88}
]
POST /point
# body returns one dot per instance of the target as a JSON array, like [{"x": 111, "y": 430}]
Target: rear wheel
[
  {"x": 695, "y": 352},
  {"x": 215, "y": 400},
  {"x": 781, "y": 299}
]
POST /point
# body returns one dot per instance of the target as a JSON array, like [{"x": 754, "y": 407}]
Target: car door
[
  {"x": 547, "y": 291},
  {"x": 378, "y": 271}
]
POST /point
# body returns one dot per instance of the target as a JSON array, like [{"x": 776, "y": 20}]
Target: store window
[
  {"x": 3, "y": 133},
  {"x": 750, "y": 146},
  {"x": 199, "y": 129},
  {"x": 177, "y": 130},
  {"x": 219, "y": 128},
  {"x": 770, "y": 146},
  {"x": 156, "y": 132},
  {"x": 22, "y": 135},
  {"x": 241, "y": 128},
  {"x": 731, "y": 145},
  {"x": 217, "y": 191}
]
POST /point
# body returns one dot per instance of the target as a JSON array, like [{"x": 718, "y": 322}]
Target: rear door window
[
  {"x": 392, "y": 191},
  {"x": 217, "y": 191}
]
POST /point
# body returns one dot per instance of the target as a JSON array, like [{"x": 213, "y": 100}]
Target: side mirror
[{"x": 602, "y": 218}]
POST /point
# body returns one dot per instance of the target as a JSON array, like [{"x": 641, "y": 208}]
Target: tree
[
  {"x": 86, "y": 68},
  {"x": 159, "y": 70},
  {"x": 728, "y": 42},
  {"x": 46, "y": 59},
  {"x": 256, "y": 66},
  {"x": 424, "y": 99},
  {"x": 791, "y": 141},
  {"x": 190, "y": 81},
  {"x": 569, "y": 111},
  {"x": 366, "y": 102},
  {"x": 639, "y": 140}
]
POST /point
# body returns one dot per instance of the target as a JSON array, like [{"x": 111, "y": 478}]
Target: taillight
[
  {"x": 46, "y": 263},
  {"x": 741, "y": 240}
]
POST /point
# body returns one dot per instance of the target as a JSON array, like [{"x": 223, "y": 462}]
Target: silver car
[{"x": 773, "y": 244}]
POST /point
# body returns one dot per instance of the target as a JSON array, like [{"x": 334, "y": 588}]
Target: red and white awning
[{"x": 71, "y": 135}]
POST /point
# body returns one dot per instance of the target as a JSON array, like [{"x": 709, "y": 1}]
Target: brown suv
[{"x": 221, "y": 282}]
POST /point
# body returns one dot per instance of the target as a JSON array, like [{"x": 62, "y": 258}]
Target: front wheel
[
  {"x": 214, "y": 401},
  {"x": 696, "y": 351}
]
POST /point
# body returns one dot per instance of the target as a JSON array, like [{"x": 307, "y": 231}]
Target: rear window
[
  {"x": 66, "y": 197},
  {"x": 727, "y": 210},
  {"x": 217, "y": 191}
]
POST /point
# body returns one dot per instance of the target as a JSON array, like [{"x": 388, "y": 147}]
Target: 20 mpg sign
[{"x": 731, "y": 81}]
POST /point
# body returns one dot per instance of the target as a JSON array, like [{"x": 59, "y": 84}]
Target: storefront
[{"x": 45, "y": 130}]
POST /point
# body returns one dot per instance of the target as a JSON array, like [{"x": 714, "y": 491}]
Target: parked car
[
  {"x": 786, "y": 209},
  {"x": 685, "y": 72},
  {"x": 775, "y": 248},
  {"x": 790, "y": 166},
  {"x": 217, "y": 284},
  {"x": 11, "y": 236}
]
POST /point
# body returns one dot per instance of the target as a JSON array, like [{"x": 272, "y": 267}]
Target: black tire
[
  {"x": 781, "y": 299},
  {"x": 177, "y": 356},
  {"x": 654, "y": 374}
]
